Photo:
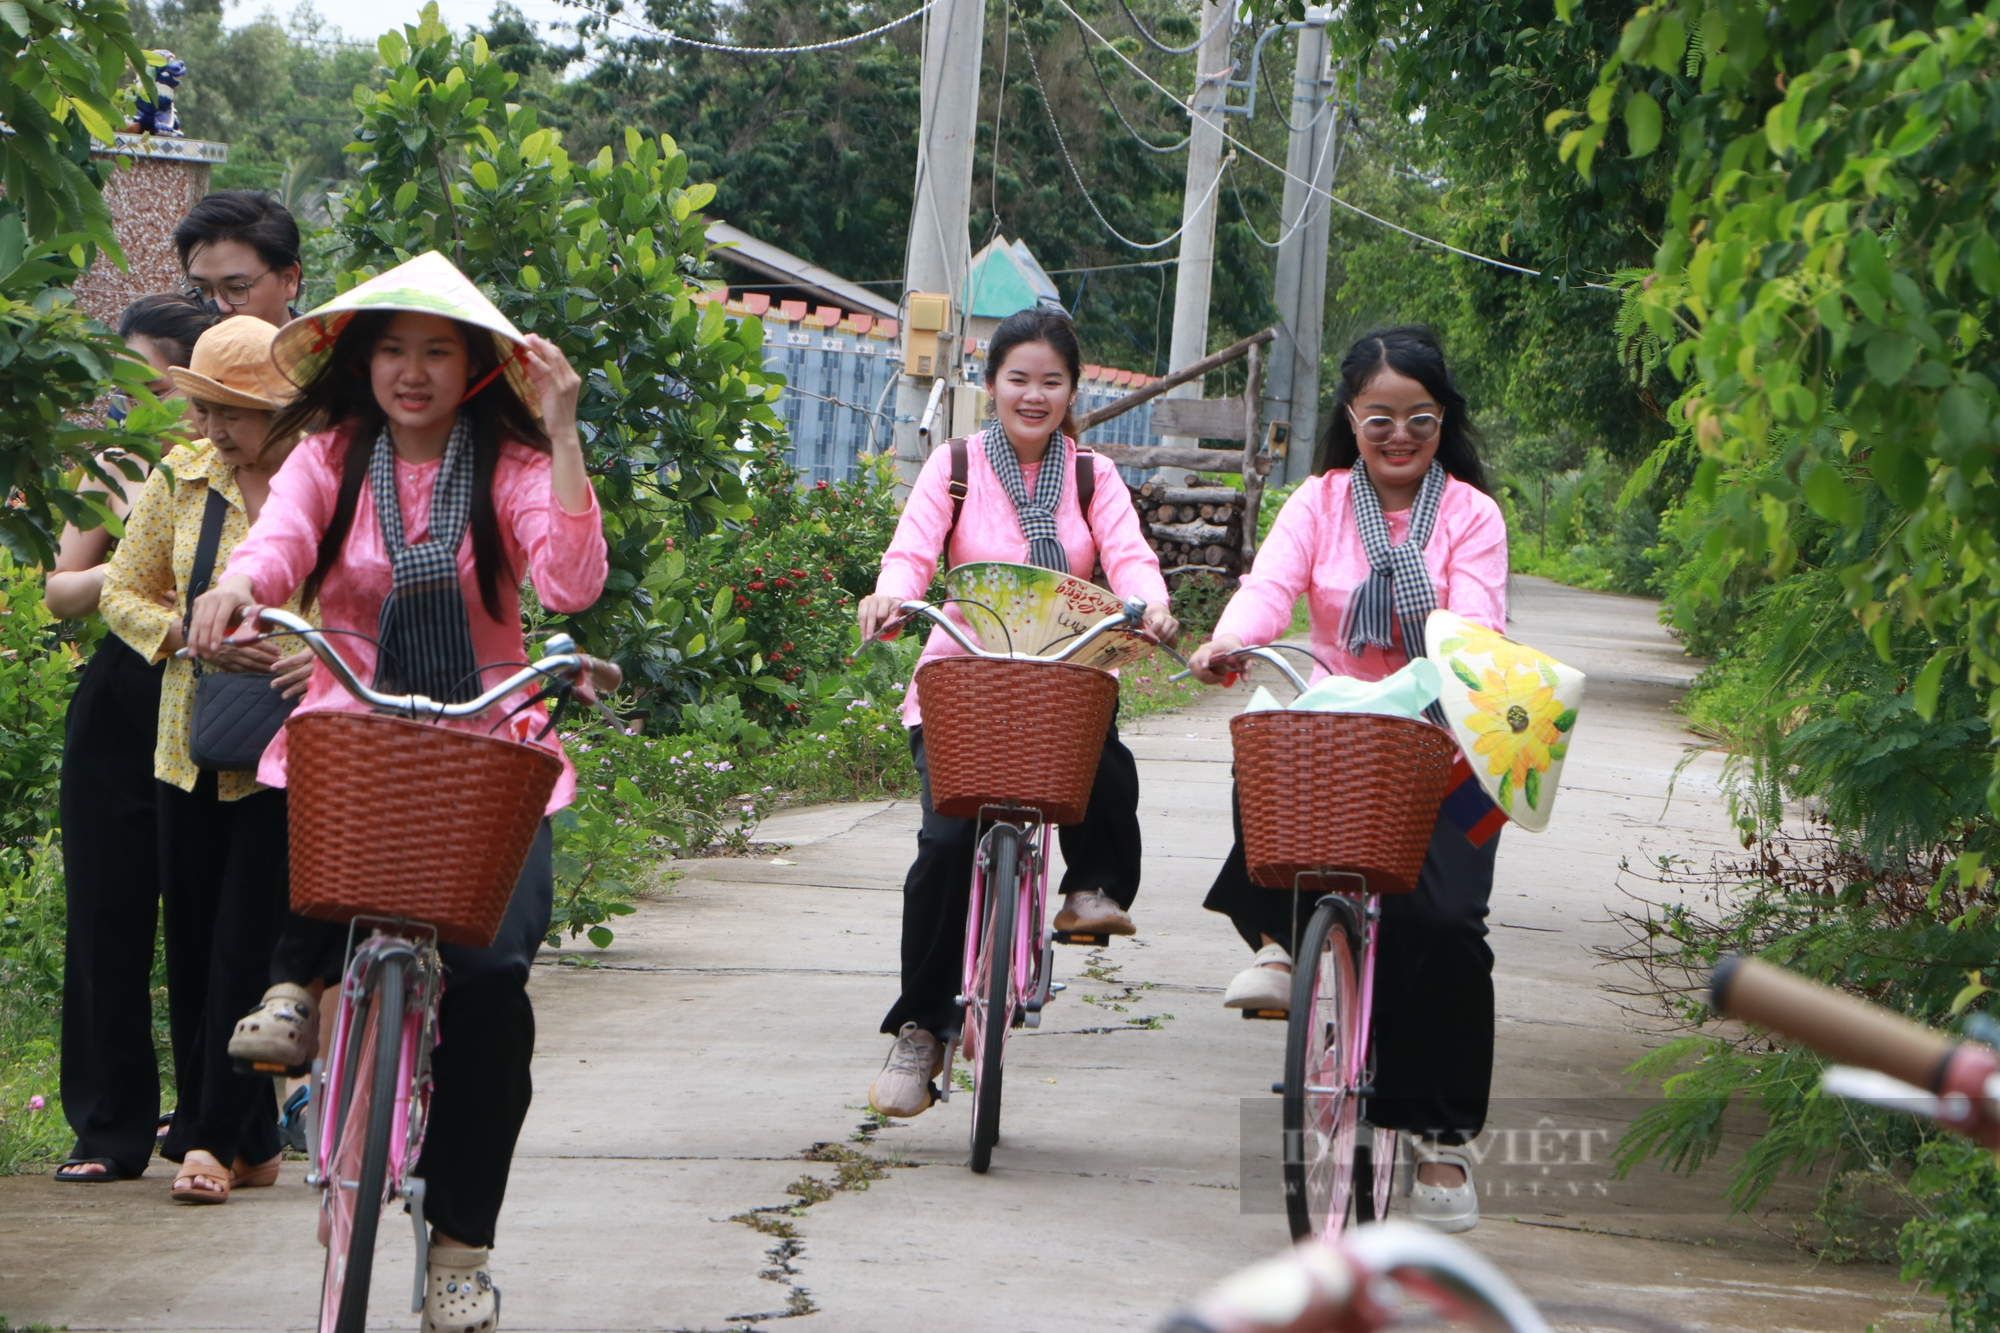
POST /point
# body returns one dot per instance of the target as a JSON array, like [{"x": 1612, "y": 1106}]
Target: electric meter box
[{"x": 929, "y": 316}]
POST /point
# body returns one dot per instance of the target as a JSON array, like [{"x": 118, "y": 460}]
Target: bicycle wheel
[
  {"x": 993, "y": 994},
  {"x": 357, "y": 1167},
  {"x": 1320, "y": 1106}
]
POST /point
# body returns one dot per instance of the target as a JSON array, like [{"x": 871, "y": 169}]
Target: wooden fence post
[{"x": 1253, "y": 479}]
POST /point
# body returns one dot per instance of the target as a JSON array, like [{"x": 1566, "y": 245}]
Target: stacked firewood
[{"x": 1194, "y": 528}]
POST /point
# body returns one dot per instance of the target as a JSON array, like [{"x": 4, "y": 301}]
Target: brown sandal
[
  {"x": 256, "y": 1177},
  {"x": 201, "y": 1182}
]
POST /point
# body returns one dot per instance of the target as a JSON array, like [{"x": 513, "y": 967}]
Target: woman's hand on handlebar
[
  {"x": 1160, "y": 623},
  {"x": 216, "y": 613},
  {"x": 597, "y": 678},
  {"x": 877, "y": 612},
  {"x": 1215, "y": 662}
]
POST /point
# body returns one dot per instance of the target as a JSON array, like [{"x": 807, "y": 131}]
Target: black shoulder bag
[{"x": 235, "y": 713}]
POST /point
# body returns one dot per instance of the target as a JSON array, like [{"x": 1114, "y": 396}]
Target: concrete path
[{"x": 698, "y": 1156}]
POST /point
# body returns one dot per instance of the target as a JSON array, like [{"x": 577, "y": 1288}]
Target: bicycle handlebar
[
  {"x": 560, "y": 658},
  {"x": 1319, "y": 1287},
  {"x": 1958, "y": 1082},
  {"x": 1126, "y": 620}
]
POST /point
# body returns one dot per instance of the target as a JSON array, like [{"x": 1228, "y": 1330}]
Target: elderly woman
[
  {"x": 110, "y": 1076},
  {"x": 222, "y": 837}
]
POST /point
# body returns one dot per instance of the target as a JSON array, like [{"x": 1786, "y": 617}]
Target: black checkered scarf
[
  {"x": 1037, "y": 513},
  {"x": 424, "y": 632},
  {"x": 1399, "y": 582}
]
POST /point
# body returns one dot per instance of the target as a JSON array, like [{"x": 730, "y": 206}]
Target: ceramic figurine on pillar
[{"x": 156, "y": 113}]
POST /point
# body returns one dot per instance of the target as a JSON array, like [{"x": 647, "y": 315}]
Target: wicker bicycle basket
[
  {"x": 1348, "y": 793},
  {"x": 391, "y": 817},
  {"x": 1017, "y": 733}
]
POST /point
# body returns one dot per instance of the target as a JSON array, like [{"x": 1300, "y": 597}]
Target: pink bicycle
[
  {"x": 1358, "y": 829},
  {"x": 1013, "y": 740},
  {"x": 369, "y": 1098}
]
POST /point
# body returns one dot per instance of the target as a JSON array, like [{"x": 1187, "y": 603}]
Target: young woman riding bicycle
[
  {"x": 1020, "y": 505},
  {"x": 1397, "y": 467},
  {"x": 447, "y": 467}
]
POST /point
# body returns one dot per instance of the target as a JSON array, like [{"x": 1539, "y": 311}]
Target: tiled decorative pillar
[{"x": 154, "y": 183}]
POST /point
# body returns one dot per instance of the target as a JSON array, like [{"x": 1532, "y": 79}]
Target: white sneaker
[
  {"x": 1265, "y": 984},
  {"x": 903, "y": 1088},
  {"x": 1446, "y": 1208}
]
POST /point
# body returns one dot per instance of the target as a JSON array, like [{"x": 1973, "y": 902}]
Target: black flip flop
[{"x": 108, "y": 1174}]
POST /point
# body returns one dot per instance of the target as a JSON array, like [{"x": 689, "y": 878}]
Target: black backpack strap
[
  {"x": 1086, "y": 480},
  {"x": 960, "y": 470},
  {"x": 204, "y": 551}
]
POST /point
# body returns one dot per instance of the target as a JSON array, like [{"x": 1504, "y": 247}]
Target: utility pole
[
  {"x": 1291, "y": 391},
  {"x": 1198, "y": 205},
  {"x": 939, "y": 249}
]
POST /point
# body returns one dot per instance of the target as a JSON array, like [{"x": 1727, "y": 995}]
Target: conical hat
[
  {"x": 1512, "y": 710},
  {"x": 428, "y": 284}
]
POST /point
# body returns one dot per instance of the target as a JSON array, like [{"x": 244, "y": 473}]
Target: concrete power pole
[
  {"x": 1198, "y": 205},
  {"x": 939, "y": 249},
  {"x": 1291, "y": 388}
]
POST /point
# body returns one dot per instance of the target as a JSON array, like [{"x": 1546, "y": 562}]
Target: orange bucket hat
[{"x": 231, "y": 366}]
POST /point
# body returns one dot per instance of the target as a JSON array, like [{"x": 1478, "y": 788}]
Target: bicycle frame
[{"x": 1031, "y": 983}]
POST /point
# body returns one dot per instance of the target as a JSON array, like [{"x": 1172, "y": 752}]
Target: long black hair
[
  {"x": 1412, "y": 350},
  {"x": 1039, "y": 324},
  {"x": 170, "y": 321},
  {"x": 342, "y": 397}
]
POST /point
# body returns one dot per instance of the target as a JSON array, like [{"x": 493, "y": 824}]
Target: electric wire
[
  {"x": 1328, "y": 194},
  {"x": 1335, "y": 144},
  {"x": 1105, "y": 88},
  {"x": 678, "y": 40},
  {"x": 1034, "y": 67},
  {"x": 1272, "y": 92},
  {"x": 1224, "y": 15}
]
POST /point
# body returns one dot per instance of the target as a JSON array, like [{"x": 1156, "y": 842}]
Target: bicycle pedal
[
  {"x": 1072, "y": 937},
  {"x": 1273, "y": 1015}
]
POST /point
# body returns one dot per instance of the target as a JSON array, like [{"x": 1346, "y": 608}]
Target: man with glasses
[{"x": 240, "y": 251}]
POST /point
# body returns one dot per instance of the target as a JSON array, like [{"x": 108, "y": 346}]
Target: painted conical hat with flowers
[
  {"x": 1512, "y": 709},
  {"x": 429, "y": 284}
]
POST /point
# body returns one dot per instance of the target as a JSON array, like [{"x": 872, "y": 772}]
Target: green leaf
[
  {"x": 1642, "y": 132},
  {"x": 600, "y": 936},
  {"x": 1866, "y": 260},
  {"x": 1464, "y": 673},
  {"x": 1828, "y": 495},
  {"x": 1532, "y": 788},
  {"x": 406, "y": 194},
  {"x": 1924, "y": 694},
  {"x": 1504, "y": 793},
  {"x": 17, "y": 17},
  {"x": 1982, "y": 258},
  {"x": 1962, "y": 417},
  {"x": 1891, "y": 353},
  {"x": 484, "y": 176},
  {"x": 1566, "y": 719}
]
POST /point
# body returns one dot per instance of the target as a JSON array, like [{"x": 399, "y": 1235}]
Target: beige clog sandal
[
  {"x": 461, "y": 1297},
  {"x": 279, "y": 1036}
]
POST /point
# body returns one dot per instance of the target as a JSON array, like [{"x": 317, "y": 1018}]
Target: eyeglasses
[
  {"x": 233, "y": 293},
  {"x": 1421, "y": 428}
]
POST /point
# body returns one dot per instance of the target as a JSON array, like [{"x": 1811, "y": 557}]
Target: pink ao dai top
[
  {"x": 563, "y": 554},
  {"x": 1314, "y": 551},
  {"x": 988, "y": 529}
]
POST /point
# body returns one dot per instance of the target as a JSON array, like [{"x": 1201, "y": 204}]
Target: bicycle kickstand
[{"x": 414, "y": 1198}]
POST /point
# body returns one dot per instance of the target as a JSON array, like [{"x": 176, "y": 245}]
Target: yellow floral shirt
[{"x": 154, "y": 562}]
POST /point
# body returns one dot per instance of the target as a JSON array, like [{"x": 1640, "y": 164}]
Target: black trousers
[
  {"x": 480, "y": 1080},
  {"x": 226, "y": 880},
  {"x": 110, "y": 1076},
  {"x": 1101, "y": 853},
  {"x": 1433, "y": 1012}
]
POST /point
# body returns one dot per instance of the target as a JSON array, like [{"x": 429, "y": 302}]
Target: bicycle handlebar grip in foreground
[
  {"x": 1830, "y": 1022},
  {"x": 1964, "y": 1075},
  {"x": 1312, "y": 1288}
]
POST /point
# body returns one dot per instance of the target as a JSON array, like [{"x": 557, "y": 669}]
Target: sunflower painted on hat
[{"x": 430, "y": 285}]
